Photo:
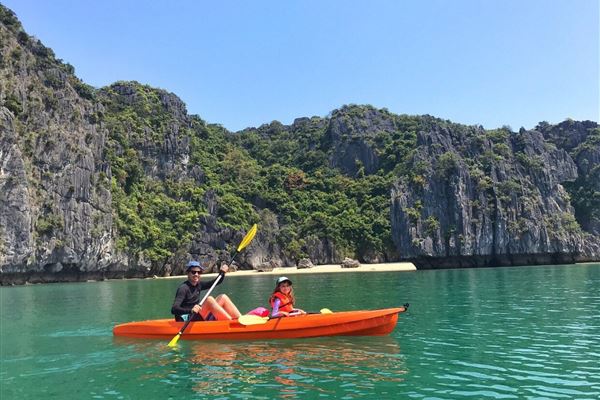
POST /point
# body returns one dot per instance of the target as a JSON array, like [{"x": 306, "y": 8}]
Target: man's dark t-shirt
[{"x": 188, "y": 296}]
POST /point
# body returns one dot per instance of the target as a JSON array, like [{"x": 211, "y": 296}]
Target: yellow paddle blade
[
  {"x": 174, "y": 341},
  {"x": 252, "y": 320},
  {"x": 248, "y": 238},
  {"x": 326, "y": 311}
]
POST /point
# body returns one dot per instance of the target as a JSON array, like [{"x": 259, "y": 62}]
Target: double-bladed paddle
[
  {"x": 258, "y": 320},
  {"x": 245, "y": 241}
]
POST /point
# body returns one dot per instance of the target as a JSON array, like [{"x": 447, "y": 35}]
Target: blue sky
[{"x": 245, "y": 63}]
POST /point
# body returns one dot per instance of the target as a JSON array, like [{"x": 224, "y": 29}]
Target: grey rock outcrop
[
  {"x": 581, "y": 139},
  {"x": 15, "y": 218},
  {"x": 55, "y": 207},
  {"x": 351, "y": 132},
  {"x": 305, "y": 263},
  {"x": 485, "y": 199},
  {"x": 164, "y": 149},
  {"x": 350, "y": 263}
]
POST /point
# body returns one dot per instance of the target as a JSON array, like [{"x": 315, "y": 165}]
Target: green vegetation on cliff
[
  {"x": 162, "y": 163},
  {"x": 158, "y": 203}
]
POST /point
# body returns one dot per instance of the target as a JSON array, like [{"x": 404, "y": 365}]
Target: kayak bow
[{"x": 345, "y": 323}]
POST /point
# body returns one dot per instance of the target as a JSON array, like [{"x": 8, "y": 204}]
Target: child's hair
[{"x": 290, "y": 295}]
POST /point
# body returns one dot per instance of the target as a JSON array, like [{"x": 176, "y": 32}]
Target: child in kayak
[{"x": 282, "y": 300}]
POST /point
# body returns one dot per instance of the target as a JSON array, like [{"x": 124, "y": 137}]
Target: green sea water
[{"x": 501, "y": 333}]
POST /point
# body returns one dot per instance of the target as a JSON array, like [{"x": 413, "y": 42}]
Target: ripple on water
[{"x": 83, "y": 332}]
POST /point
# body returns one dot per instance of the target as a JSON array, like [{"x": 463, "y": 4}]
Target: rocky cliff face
[
  {"x": 479, "y": 198},
  {"x": 153, "y": 122},
  {"x": 122, "y": 182},
  {"x": 55, "y": 213},
  {"x": 350, "y": 134},
  {"x": 465, "y": 196},
  {"x": 581, "y": 139}
]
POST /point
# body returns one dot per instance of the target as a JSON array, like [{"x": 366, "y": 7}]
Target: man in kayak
[{"x": 187, "y": 298}]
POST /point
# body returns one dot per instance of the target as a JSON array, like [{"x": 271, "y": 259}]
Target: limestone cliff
[
  {"x": 479, "y": 198},
  {"x": 581, "y": 139},
  {"x": 55, "y": 204},
  {"x": 122, "y": 182}
]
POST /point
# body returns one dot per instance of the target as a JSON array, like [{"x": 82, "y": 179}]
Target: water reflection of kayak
[{"x": 345, "y": 323}]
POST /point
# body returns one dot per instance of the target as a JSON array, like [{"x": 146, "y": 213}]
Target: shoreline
[
  {"x": 24, "y": 279},
  {"x": 327, "y": 268}
]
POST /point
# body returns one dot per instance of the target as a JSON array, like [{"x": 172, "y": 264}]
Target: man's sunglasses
[{"x": 195, "y": 272}]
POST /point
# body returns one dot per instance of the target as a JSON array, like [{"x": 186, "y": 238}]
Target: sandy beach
[{"x": 329, "y": 268}]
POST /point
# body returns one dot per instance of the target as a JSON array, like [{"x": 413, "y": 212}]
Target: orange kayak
[{"x": 345, "y": 323}]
